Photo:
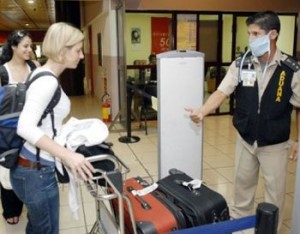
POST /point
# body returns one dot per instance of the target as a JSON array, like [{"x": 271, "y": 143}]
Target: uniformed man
[{"x": 266, "y": 83}]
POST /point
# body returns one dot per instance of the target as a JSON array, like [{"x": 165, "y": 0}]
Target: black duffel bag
[{"x": 105, "y": 165}]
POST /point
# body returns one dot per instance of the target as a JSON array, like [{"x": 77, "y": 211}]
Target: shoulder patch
[{"x": 292, "y": 63}]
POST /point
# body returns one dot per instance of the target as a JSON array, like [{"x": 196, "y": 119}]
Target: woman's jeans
[{"x": 38, "y": 190}]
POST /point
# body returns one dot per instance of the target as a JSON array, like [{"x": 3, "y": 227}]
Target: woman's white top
[
  {"x": 38, "y": 97},
  {"x": 10, "y": 77}
]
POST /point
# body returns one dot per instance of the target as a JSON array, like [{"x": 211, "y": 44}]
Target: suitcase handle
[
  {"x": 143, "y": 203},
  {"x": 189, "y": 187}
]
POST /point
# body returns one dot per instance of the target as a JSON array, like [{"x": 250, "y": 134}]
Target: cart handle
[
  {"x": 110, "y": 157},
  {"x": 92, "y": 187}
]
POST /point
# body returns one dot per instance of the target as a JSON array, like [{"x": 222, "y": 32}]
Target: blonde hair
[{"x": 59, "y": 36}]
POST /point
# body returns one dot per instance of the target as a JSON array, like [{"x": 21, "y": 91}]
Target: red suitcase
[{"x": 153, "y": 213}]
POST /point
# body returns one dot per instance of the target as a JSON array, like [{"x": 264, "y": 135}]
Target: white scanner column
[{"x": 180, "y": 85}]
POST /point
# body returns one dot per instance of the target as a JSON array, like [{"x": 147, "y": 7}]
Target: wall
[
  {"x": 37, "y": 36},
  {"x": 285, "y": 38},
  {"x": 214, "y": 5},
  {"x": 140, "y": 50},
  {"x": 219, "y": 5},
  {"x": 105, "y": 24},
  {"x": 91, "y": 10},
  {"x": 143, "y": 21},
  {"x": 103, "y": 21},
  {"x": 298, "y": 41}
]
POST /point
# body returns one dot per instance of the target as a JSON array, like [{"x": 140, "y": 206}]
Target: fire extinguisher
[{"x": 106, "y": 108}]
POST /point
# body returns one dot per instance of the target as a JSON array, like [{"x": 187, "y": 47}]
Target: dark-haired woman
[{"x": 15, "y": 67}]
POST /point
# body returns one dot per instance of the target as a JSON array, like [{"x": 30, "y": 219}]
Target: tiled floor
[{"x": 141, "y": 158}]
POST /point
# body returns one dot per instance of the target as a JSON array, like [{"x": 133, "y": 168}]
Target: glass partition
[
  {"x": 208, "y": 37},
  {"x": 186, "y": 31},
  {"x": 227, "y": 43},
  {"x": 227, "y": 36}
]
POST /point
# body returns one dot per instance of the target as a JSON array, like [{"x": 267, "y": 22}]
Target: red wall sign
[{"x": 160, "y": 34}]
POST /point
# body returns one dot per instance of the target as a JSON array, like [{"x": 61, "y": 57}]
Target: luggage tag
[
  {"x": 248, "y": 77},
  {"x": 193, "y": 184},
  {"x": 145, "y": 191}
]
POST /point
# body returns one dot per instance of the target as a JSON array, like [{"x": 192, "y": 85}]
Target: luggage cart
[{"x": 111, "y": 188}]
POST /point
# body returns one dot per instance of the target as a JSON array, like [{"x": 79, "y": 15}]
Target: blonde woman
[{"x": 34, "y": 179}]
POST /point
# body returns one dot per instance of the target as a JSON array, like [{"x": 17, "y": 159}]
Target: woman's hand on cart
[{"x": 80, "y": 166}]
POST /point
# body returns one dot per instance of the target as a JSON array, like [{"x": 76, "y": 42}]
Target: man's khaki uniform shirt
[{"x": 231, "y": 80}]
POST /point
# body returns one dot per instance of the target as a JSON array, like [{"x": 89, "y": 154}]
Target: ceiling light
[{"x": 30, "y": 1}]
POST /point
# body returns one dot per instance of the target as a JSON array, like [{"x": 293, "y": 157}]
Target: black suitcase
[{"x": 199, "y": 206}]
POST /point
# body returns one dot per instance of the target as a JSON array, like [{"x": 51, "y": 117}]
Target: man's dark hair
[
  {"x": 266, "y": 20},
  {"x": 151, "y": 56}
]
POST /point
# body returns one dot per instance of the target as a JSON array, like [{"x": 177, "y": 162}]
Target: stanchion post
[
  {"x": 129, "y": 138},
  {"x": 266, "y": 219}
]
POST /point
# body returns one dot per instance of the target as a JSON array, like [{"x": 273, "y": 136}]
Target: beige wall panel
[{"x": 90, "y": 10}]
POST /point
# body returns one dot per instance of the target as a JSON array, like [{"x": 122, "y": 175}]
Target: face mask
[{"x": 259, "y": 46}]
